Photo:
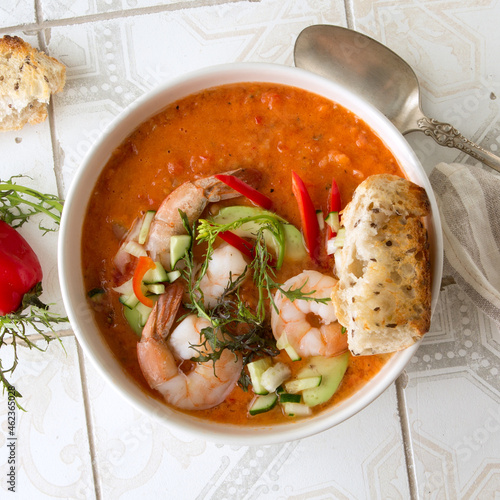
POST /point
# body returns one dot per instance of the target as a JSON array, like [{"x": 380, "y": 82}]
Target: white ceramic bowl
[{"x": 70, "y": 272}]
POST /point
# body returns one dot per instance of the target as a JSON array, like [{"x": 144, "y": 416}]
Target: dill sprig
[
  {"x": 233, "y": 325},
  {"x": 18, "y": 203},
  {"x": 13, "y": 326}
]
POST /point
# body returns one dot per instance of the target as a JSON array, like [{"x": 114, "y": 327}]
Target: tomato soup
[{"x": 274, "y": 129}]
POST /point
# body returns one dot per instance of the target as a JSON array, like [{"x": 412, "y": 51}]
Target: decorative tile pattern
[
  {"x": 52, "y": 449},
  {"x": 17, "y": 13},
  {"x": 454, "y": 391}
]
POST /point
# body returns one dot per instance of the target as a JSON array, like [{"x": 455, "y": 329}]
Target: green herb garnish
[
  {"x": 234, "y": 325},
  {"x": 18, "y": 203}
]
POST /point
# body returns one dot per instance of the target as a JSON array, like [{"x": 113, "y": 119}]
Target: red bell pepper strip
[
  {"x": 238, "y": 242},
  {"x": 244, "y": 189},
  {"x": 144, "y": 264},
  {"x": 20, "y": 269},
  {"x": 334, "y": 204},
  {"x": 310, "y": 225}
]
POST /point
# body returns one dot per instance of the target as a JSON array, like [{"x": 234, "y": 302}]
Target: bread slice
[
  {"x": 383, "y": 296},
  {"x": 28, "y": 77}
]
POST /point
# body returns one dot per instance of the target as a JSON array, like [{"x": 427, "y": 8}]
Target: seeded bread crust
[
  {"x": 383, "y": 296},
  {"x": 28, "y": 77}
]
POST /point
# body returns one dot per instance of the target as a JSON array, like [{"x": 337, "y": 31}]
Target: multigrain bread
[
  {"x": 28, "y": 77},
  {"x": 383, "y": 296}
]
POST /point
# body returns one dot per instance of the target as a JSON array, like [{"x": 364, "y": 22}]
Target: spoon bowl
[{"x": 381, "y": 77}]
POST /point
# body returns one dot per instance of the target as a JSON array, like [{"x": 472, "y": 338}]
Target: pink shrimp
[
  {"x": 162, "y": 353},
  {"x": 191, "y": 197}
]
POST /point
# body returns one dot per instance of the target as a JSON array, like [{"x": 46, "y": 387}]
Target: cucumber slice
[
  {"x": 332, "y": 371},
  {"x": 333, "y": 244},
  {"x": 96, "y": 295},
  {"x": 173, "y": 275},
  {"x": 144, "y": 312},
  {"x": 156, "y": 288},
  {"x": 156, "y": 275},
  {"x": 256, "y": 369},
  {"x": 133, "y": 318},
  {"x": 294, "y": 246},
  {"x": 333, "y": 220},
  {"x": 340, "y": 239},
  {"x": 301, "y": 384},
  {"x": 290, "y": 398},
  {"x": 283, "y": 344},
  {"x": 129, "y": 301},
  {"x": 321, "y": 220},
  {"x": 274, "y": 376},
  {"x": 146, "y": 224},
  {"x": 261, "y": 404},
  {"x": 179, "y": 245},
  {"x": 297, "y": 409}
]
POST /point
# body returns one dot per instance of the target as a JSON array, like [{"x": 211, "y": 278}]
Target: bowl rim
[{"x": 69, "y": 248}]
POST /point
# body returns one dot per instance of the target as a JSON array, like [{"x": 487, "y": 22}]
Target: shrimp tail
[{"x": 155, "y": 359}]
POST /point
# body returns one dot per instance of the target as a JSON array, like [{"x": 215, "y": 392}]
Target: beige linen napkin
[{"x": 469, "y": 203}]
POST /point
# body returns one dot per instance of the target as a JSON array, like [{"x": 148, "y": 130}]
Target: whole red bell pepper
[{"x": 20, "y": 269}]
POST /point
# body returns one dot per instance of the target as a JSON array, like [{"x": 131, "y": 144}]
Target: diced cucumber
[
  {"x": 173, "y": 275},
  {"x": 129, "y": 301},
  {"x": 261, "y": 404},
  {"x": 133, "y": 317},
  {"x": 296, "y": 410},
  {"x": 283, "y": 344},
  {"x": 333, "y": 220},
  {"x": 332, "y": 371},
  {"x": 156, "y": 288},
  {"x": 321, "y": 220},
  {"x": 274, "y": 376},
  {"x": 133, "y": 248},
  {"x": 256, "y": 369},
  {"x": 333, "y": 244},
  {"x": 339, "y": 241},
  {"x": 300, "y": 384},
  {"x": 146, "y": 224},
  {"x": 294, "y": 246},
  {"x": 179, "y": 245},
  {"x": 286, "y": 397},
  {"x": 96, "y": 294},
  {"x": 156, "y": 275},
  {"x": 144, "y": 312}
]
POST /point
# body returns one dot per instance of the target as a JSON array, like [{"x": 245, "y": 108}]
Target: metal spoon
[{"x": 379, "y": 75}]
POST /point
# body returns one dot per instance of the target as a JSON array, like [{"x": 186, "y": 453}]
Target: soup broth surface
[{"x": 272, "y": 128}]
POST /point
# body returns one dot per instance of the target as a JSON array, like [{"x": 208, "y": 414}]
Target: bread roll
[
  {"x": 383, "y": 296},
  {"x": 28, "y": 77}
]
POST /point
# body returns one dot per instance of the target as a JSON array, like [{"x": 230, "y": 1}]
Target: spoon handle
[{"x": 446, "y": 135}]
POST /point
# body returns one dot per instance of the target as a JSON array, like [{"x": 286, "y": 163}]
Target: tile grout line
[
  {"x": 108, "y": 16},
  {"x": 83, "y": 379},
  {"x": 90, "y": 425},
  {"x": 349, "y": 13},
  {"x": 401, "y": 383}
]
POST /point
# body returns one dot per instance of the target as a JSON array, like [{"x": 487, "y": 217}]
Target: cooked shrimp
[
  {"x": 162, "y": 357},
  {"x": 227, "y": 263},
  {"x": 311, "y": 328},
  {"x": 191, "y": 198}
]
